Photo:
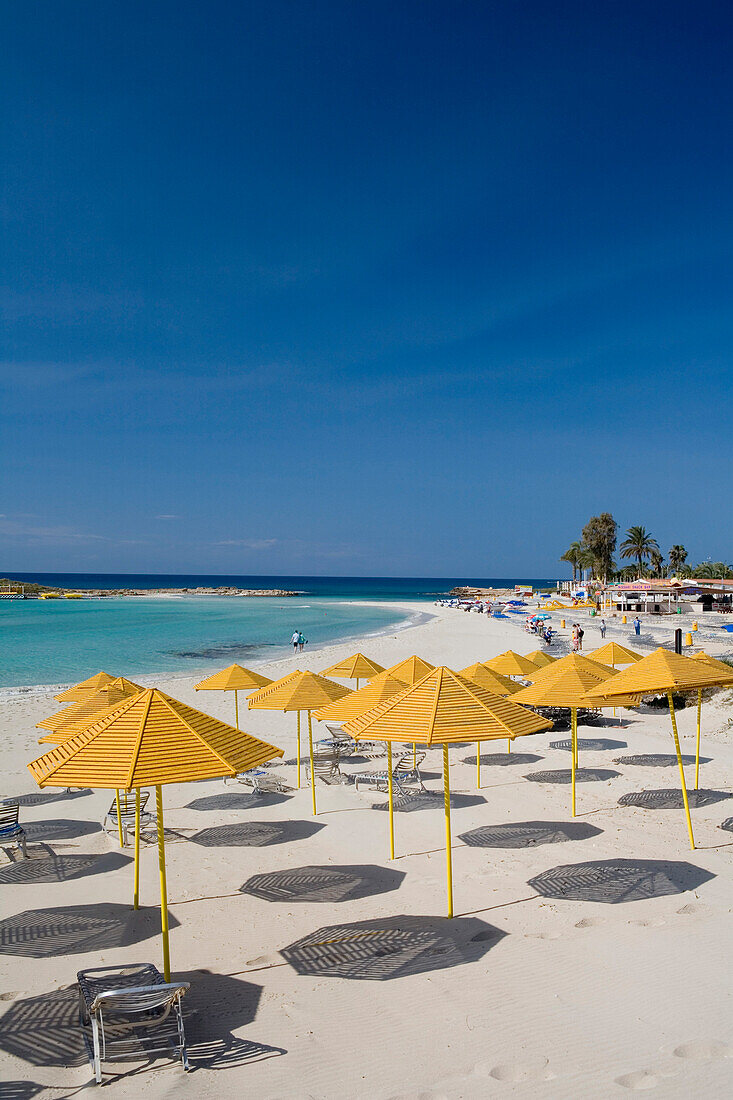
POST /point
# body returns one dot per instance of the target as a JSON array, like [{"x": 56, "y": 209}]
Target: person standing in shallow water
[
  {"x": 295, "y": 639},
  {"x": 301, "y": 640}
]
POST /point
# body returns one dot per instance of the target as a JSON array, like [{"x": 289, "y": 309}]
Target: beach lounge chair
[
  {"x": 262, "y": 781},
  {"x": 406, "y": 772},
  {"x": 10, "y": 828},
  {"x": 325, "y": 764},
  {"x": 130, "y": 1011},
  {"x": 127, "y": 816},
  {"x": 345, "y": 745}
]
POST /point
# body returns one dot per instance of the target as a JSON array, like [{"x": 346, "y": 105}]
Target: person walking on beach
[
  {"x": 637, "y": 625},
  {"x": 581, "y": 632},
  {"x": 295, "y": 638},
  {"x": 575, "y": 637},
  {"x": 603, "y": 628},
  {"x": 301, "y": 641}
]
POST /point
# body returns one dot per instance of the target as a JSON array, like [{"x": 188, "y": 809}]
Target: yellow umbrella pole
[
  {"x": 414, "y": 754},
  {"x": 697, "y": 746},
  {"x": 508, "y": 744},
  {"x": 136, "y": 892},
  {"x": 357, "y": 683},
  {"x": 448, "y": 859},
  {"x": 310, "y": 751},
  {"x": 119, "y": 819},
  {"x": 391, "y": 803},
  {"x": 236, "y": 709},
  {"x": 681, "y": 767},
  {"x": 298, "y": 750},
  {"x": 573, "y": 747},
  {"x": 163, "y": 888},
  {"x": 478, "y": 765}
]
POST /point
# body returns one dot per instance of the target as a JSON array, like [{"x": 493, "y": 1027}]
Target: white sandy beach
[{"x": 520, "y": 995}]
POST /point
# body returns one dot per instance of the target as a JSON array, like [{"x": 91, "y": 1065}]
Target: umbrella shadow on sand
[
  {"x": 324, "y": 884},
  {"x": 582, "y": 775},
  {"x": 77, "y": 929},
  {"x": 391, "y": 947},
  {"x": 589, "y": 744},
  {"x": 256, "y": 834},
  {"x": 52, "y": 868},
  {"x": 528, "y": 834},
  {"x": 657, "y": 760},
  {"x": 429, "y": 800},
  {"x": 42, "y": 798},
  {"x": 59, "y": 829},
  {"x": 236, "y": 800},
  {"x": 503, "y": 759},
  {"x": 613, "y": 881},
  {"x": 671, "y": 799}
]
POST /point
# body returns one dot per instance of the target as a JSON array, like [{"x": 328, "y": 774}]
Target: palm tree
[
  {"x": 586, "y": 560},
  {"x": 677, "y": 558},
  {"x": 572, "y": 556},
  {"x": 638, "y": 544},
  {"x": 656, "y": 561}
]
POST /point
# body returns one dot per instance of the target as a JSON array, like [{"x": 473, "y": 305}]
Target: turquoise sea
[{"x": 63, "y": 641}]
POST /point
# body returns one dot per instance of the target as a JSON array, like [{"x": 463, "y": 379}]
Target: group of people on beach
[
  {"x": 577, "y": 637},
  {"x": 298, "y": 641}
]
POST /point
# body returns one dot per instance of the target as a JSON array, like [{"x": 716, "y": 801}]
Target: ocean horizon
[{"x": 353, "y": 588}]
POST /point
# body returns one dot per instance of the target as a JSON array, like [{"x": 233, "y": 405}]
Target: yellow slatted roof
[
  {"x": 298, "y": 691},
  {"x": 540, "y": 658},
  {"x": 512, "y": 664},
  {"x": 355, "y": 667},
  {"x": 81, "y": 714},
  {"x": 445, "y": 707},
  {"x": 376, "y": 691},
  {"x": 614, "y": 654},
  {"x": 492, "y": 681},
  {"x": 571, "y": 660},
  {"x": 149, "y": 739},
  {"x": 234, "y": 678},
  {"x": 411, "y": 669},
  {"x": 88, "y": 687},
  {"x": 661, "y": 671},
  {"x": 713, "y": 661}
]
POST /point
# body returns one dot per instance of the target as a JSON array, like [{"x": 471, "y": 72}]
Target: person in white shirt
[{"x": 295, "y": 639}]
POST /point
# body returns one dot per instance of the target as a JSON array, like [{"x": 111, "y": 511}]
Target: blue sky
[{"x": 378, "y": 288}]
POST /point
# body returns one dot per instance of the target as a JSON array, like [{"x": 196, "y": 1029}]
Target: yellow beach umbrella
[
  {"x": 376, "y": 691},
  {"x": 411, "y": 669},
  {"x": 512, "y": 664},
  {"x": 493, "y": 681},
  {"x": 441, "y": 709},
  {"x": 569, "y": 688},
  {"x": 614, "y": 654},
  {"x": 299, "y": 691},
  {"x": 665, "y": 672},
  {"x": 540, "y": 658},
  {"x": 236, "y": 679},
  {"x": 79, "y": 714},
  {"x": 80, "y": 691},
  {"x": 148, "y": 740},
  {"x": 357, "y": 667}
]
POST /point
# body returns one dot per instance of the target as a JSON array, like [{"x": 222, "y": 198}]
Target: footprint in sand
[
  {"x": 640, "y": 1079},
  {"x": 692, "y": 909},
  {"x": 9, "y": 996},
  {"x": 657, "y": 922},
  {"x": 703, "y": 1050},
  {"x": 516, "y": 1072},
  {"x": 542, "y": 935},
  {"x": 588, "y": 922}
]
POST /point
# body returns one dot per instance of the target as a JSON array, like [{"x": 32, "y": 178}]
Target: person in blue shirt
[{"x": 637, "y": 625}]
